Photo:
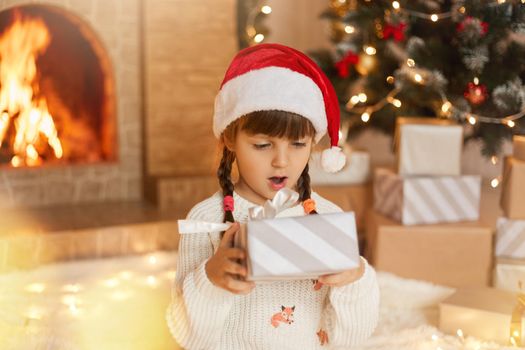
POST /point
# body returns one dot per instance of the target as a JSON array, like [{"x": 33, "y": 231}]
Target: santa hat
[{"x": 277, "y": 77}]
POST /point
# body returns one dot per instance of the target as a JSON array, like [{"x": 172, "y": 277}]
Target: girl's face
[{"x": 267, "y": 164}]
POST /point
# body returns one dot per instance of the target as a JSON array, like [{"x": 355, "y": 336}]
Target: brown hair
[{"x": 273, "y": 123}]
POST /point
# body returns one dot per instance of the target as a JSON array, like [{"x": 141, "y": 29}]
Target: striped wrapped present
[
  {"x": 299, "y": 247},
  {"x": 510, "y": 238},
  {"x": 425, "y": 199},
  {"x": 509, "y": 274}
]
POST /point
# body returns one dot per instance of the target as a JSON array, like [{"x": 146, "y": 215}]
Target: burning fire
[{"x": 26, "y": 126}]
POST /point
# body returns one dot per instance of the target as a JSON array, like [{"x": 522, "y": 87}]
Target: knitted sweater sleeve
[
  {"x": 198, "y": 309},
  {"x": 352, "y": 311}
]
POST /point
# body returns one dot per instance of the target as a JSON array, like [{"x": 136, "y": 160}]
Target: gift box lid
[
  {"x": 400, "y": 121},
  {"x": 486, "y": 299}
]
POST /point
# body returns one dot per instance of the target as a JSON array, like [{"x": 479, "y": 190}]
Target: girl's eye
[
  {"x": 299, "y": 144},
  {"x": 261, "y": 145}
]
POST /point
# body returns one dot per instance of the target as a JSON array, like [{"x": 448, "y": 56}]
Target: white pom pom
[{"x": 333, "y": 159}]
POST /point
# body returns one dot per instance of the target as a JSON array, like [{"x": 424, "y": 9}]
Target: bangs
[{"x": 277, "y": 124}]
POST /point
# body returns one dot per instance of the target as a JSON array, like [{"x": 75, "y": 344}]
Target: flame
[{"x": 20, "y": 105}]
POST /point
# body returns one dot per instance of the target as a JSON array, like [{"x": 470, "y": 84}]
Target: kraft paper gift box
[
  {"x": 355, "y": 198},
  {"x": 427, "y": 200},
  {"x": 510, "y": 238},
  {"x": 509, "y": 273},
  {"x": 518, "y": 147},
  {"x": 456, "y": 255},
  {"x": 428, "y": 146},
  {"x": 300, "y": 247},
  {"x": 513, "y": 189},
  {"x": 484, "y": 313}
]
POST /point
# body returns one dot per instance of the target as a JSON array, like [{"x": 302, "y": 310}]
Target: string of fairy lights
[
  {"x": 255, "y": 37},
  {"x": 418, "y": 76}
]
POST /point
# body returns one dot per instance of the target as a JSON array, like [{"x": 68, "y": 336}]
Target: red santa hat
[{"x": 277, "y": 77}]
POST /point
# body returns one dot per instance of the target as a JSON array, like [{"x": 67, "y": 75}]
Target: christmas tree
[{"x": 444, "y": 59}]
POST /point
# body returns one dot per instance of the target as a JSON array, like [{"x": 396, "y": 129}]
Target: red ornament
[
  {"x": 343, "y": 65},
  {"x": 397, "y": 31},
  {"x": 475, "y": 94},
  {"x": 471, "y": 20}
]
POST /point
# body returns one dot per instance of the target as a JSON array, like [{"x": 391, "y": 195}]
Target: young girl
[{"x": 274, "y": 104}]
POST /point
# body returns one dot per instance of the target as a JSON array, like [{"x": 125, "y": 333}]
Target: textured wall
[{"x": 188, "y": 45}]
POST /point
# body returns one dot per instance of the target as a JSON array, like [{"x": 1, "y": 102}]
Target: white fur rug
[{"x": 409, "y": 311}]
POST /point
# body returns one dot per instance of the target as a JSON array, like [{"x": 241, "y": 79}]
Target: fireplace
[{"x": 70, "y": 103}]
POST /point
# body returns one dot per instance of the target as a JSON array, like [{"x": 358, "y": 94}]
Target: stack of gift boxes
[
  {"x": 510, "y": 235},
  {"x": 425, "y": 219},
  {"x": 495, "y": 314}
]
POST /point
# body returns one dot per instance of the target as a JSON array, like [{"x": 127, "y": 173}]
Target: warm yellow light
[
  {"x": 258, "y": 38},
  {"x": 36, "y": 288},
  {"x": 266, "y": 9},
  {"x": 72, "y": 288},
  {"x": 126, "y": 275},
  {"x": 354, "y": 99},
  {"x": 476, "y": 80},
  {"x": 111, "y": 283},
  {"x": 511, "y": 123},
  {"x": 459, "y": 332},
  {"x": 515, "y": 333},
  {"x": 435, "y": 337},
  {"x": 152, "y": 281},
  {"x": 34, "y": 313},
  {"x": 396, "y": 102},
  {"x": 362, "y": 97},
  {"x": 390, "y": 79},
  {"x": 395, "y": 5},
  {"x": 501, "y": 1},
  {"x": 418, "y": 78},
  {"x": 370, "y": 50},
  {"x": 349, "y": 29},
  {"x": 434, "y": 18},
  {"x": 513, "y": 341},
  {"x": 446, "y": 107},
  {"x": 462, "y": 9},
  {"x": 152, "y": 260},
  {"x": 494, "y": 182},
  {"x": 411, "y": 62},
  {"x": 471, "y": 120},
  {"x": 365, "y": 117},
  {"x": 494, "y": 160},
  {"x": 70, "y": 299}
]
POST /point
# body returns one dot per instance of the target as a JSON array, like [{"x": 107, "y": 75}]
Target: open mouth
[{"x": 277, "y": 180}]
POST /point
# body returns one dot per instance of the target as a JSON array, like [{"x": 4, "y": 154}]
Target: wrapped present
[
  {"x": 518, "y": 147},
  {"x": 485, "y": 313},
  {"x": 428, "y": 146},
  {"x": 427, "y": 200},
  {"x": 355, "y": 171},
  {"x": 300, "y": 247},
  {"x": 456, "y": 255},
  {"x": 510, "y": 238},
  {"x": 513, "y": 188},
  {"x": 509, "y": 274}
]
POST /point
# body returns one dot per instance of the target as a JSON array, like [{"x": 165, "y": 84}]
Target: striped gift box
[
  {"x": 509, "y": 273},
  {"x": 510, "y": 238},
  {"x": 427, "y": 199},
  {"x": 299, "y": 247}
]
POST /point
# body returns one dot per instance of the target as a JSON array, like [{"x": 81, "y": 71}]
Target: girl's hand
[
  {"x": 343, "y": 278},
  {"x": 223, "y": 268}
]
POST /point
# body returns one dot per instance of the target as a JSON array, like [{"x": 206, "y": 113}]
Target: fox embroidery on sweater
[{"x": 285, "y": 316}]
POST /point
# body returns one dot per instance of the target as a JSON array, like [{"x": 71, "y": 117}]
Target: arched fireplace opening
[{"x": 57, "y": 94}]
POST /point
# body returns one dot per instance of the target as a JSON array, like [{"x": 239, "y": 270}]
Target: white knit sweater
[{"x": 203, "y": 316}]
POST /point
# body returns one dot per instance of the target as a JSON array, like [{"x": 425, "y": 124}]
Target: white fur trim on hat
[
  {"x": 270, "y": 88},
  {"x": 333, "y": 159}
]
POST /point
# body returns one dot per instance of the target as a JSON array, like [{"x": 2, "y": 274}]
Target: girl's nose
[{"x": 280, "y": 158}]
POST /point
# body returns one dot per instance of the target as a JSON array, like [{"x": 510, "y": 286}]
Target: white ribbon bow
[{"x": 283, "y": 199}]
